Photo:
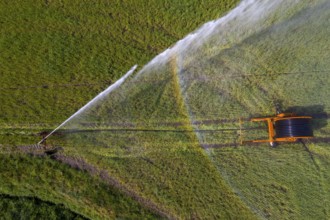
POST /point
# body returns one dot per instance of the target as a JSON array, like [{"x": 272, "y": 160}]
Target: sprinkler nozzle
[{"x": 42, "y": 141}]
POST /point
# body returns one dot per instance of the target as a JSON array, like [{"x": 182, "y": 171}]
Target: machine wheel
[{"x": 273, "y": 144}]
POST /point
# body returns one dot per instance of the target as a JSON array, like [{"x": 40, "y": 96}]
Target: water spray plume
[
  {"x": 90, "y": 103},
  {"x": 226, "y": 69},
  {"x": 201, "y": 93}
]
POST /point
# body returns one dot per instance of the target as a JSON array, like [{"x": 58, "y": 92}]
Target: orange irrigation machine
[{"x": 285, "y": 127}]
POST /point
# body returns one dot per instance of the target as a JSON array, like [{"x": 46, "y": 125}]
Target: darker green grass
[
  {"x": 65, "y": 187},
  {"x": 13, "y": 207}
]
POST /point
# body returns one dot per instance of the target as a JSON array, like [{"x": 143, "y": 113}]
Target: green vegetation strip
[
  {"x": 15, "y": 207},
  {"x": 23, "y": 175}
]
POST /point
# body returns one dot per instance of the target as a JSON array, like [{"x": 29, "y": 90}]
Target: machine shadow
[{"x": 316, "y": 111}]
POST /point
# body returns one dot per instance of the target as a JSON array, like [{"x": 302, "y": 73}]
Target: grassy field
[
  {"x": 55, "y": 56},
  {"x": 53, "y": 52},
  {"x": 16, "y": 207},
  {"x": 138, "y": 153},
  {"x": 273, "y": 183},
  {"x": 43, "y": 188}
]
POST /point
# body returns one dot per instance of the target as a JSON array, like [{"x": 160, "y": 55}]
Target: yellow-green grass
[{"x": 287, "y": 182}]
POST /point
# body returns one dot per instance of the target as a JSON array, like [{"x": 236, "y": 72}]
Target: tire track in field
[
  {"x": 173, "y": 124},
  {"x": 82, "y": 165},
  {"x": 46, "y": 86},
  {"x": 129, "y": 127},
  {"x": 49, "y": 86},
  {"x": 318, "y": 171},
  {"x": 312, "y": 140}
]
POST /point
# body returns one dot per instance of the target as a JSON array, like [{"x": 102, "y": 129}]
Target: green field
[{"x": 166, "y": 143}]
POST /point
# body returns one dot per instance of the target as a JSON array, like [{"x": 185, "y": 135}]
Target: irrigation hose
[{"x": 294, "y": 127}]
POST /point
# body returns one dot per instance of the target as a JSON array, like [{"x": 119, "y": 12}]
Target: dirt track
[{"x": 80, "y": 164}]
